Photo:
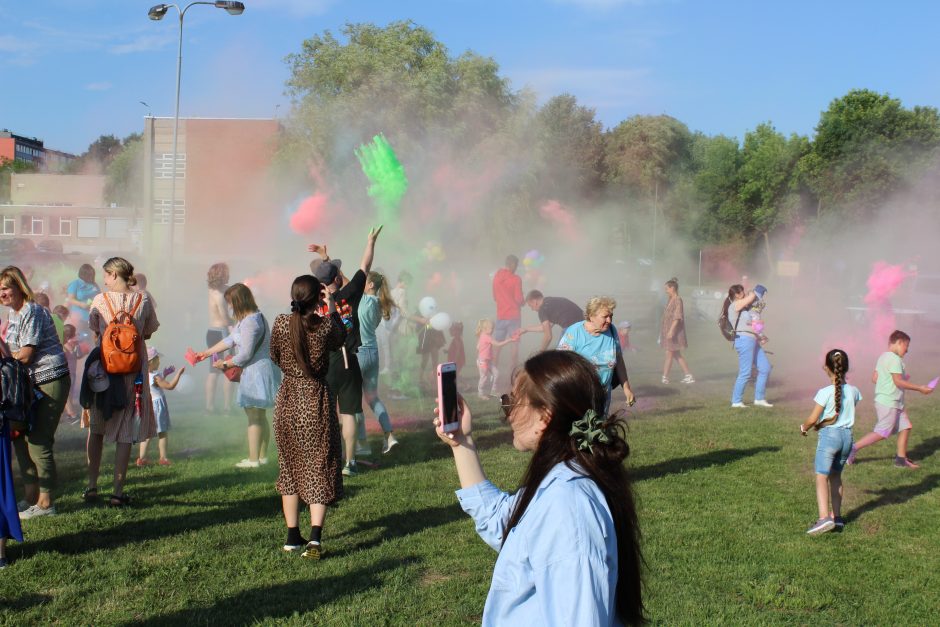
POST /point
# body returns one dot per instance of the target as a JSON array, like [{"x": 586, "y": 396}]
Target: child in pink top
[{"x": 485, "y": 343}]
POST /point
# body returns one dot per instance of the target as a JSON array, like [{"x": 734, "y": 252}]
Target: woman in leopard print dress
[{"x": 306, "y": 427}]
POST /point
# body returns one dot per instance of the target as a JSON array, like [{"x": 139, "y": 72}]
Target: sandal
[
  {"x": 90, "y": 495},
  {"x": 118, "y": 501}
]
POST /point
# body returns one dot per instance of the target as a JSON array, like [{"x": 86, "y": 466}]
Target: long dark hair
[
  {"x": 566, "y": 385},
  {"x": 304, "y": 298},
  {"x": 733, "y": 291},
  {"x": 837, "y": 361}
]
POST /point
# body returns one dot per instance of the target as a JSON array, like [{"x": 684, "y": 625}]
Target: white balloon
[
  {"x": 440, "y": 321},
  {"x": 427, "y": 306}
]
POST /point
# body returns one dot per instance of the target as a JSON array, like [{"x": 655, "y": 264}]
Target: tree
[
  {"x": 125, "y": 174},
  {"x": 647, "y": 152},
  {"x": 398, "y": 79},
  {"x": 768, "y": 183},
  {"x": 98, "y": 156},
  {"x": 571, "y": 146},
  {"x": 8, "y": 167},
  {"x": 867, "y": 146}
]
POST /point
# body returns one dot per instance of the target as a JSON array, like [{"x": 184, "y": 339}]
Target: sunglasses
[{"x": 506, "y": 403}]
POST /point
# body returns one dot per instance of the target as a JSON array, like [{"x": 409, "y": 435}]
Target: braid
[{"x": 839, "y": 371}]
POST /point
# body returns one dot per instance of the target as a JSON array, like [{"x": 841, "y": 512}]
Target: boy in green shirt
[{"x": 890, "y": 381}]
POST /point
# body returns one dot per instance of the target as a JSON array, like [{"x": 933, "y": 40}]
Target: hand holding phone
[{"x": 447, "y": 405}]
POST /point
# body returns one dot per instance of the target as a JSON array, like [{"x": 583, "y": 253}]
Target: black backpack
[
  {"x": 16, "y": 395},
  {"x": 724, "y": 324}
]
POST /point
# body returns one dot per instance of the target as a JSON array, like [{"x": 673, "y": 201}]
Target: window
[
  {"x": 163, "y": 165},
  {"x": 60, "y": 226},
  {"x": 115, "y": 228},
  {"x": 88, "y": 227},
  {"x": 161, "y": 211},
  {"x": 31, "y": 225},
  {"x": 9, "y": 225}
]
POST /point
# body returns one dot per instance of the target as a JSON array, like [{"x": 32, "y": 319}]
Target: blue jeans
[
  {"x": 369, "y": 365},
  {"x": 750, "y": 353}
]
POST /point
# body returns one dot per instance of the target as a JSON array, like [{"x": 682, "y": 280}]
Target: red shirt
[{"x": 507, "y": 292}]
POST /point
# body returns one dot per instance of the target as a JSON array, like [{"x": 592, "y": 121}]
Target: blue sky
[{"x": 71, "y": 71}]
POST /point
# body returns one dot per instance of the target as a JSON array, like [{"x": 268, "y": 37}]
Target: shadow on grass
[
  {"x": 661, "y": 413},
  {"x": 698, "y": 462},
  {"x": 25, "y": 602},
  {"x": 127, "y": 530},
  {"x": 894, "y": 496},
  {"x": 654, "y": 391},
  {"x": 925, "y": 449},
  {"x": 284, "y": 600},
  {"x": 398, "y": 525}
]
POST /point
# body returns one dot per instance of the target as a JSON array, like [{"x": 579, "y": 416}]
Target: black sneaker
[
  {"x": 3, "y": 562},
  {"x": 840, "y": 524},
  {"x": 292, "y": 547}
]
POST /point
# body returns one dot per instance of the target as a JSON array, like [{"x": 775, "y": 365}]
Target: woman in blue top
[
  {"x": 568, "y": 540},
  {"x": 595, "y": 340},
  {"x": 833, "y": 416},
  {"x": 80, "y": 293},
  {"x": 250, "y": 342},
  {"x": 749, "y": 344},
  {"x": 376, "y": 305}
]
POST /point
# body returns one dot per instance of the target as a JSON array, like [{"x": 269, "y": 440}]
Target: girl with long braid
[{"x": 833, "y": 416}]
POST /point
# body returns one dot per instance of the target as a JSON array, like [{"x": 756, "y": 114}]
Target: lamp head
[
  {"x": 233, "y": 8},
  {"x": 158, "y": 11}
]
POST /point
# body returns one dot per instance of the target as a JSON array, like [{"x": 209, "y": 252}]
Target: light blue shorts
[{"x": 835, "y": 444}]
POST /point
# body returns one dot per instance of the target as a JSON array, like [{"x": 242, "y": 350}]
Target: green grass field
[{"x": 724, "y": 498}]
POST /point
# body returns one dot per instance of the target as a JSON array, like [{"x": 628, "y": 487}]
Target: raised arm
[{"x": 366, "y": 264}]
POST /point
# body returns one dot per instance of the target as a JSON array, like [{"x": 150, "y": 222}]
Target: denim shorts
[
  {"x": 835, "y": 444},
  {"x": 505, "y": 328}
]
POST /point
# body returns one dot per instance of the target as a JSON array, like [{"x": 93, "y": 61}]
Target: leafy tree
[
  {"x": 867, "y": 145},
  {"x": 767, "y": 180},
  {"x": 7, "y": 168},
  {"x": 398, "y": 79},
  {"x": 98, "y": 157},
  {"x": 571, "y": 146},
  {"x": 646, "y": 153},
  {"x": 125, "y": 174}
]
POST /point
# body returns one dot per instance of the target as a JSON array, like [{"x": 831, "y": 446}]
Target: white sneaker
[
  {"x": 665, "y": 380},
  {"x": 688, "y": 379},
  {"x": 390, "y": 441},
  {"x": 762, "y": 403},
  {"x": 262, "y": 460},
  {"x": 34, "y": 511},
  {"x": 349, "y": 470},
  {"x": 363, "y": 449},
  {"x": 738, "y": 405},
  {"x": 247, "y": 463}
]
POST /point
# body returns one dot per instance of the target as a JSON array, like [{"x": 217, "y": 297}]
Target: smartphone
[{"x": 447, "y": 397}]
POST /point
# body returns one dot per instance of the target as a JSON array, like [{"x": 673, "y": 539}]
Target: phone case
[{"x": 446, "y": 427}]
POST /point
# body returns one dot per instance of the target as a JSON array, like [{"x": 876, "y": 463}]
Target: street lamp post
[{"x": 157, "y": 12}]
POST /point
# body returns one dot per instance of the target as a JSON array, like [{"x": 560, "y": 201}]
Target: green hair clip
[{"x": 589, "y": 430}]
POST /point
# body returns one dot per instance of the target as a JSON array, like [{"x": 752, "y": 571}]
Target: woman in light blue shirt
[
  {"x": 376, "y": 305},
  {"x": 568, "y": 540}
]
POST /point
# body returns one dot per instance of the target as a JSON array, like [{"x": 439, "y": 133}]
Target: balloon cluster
[
  {"x": 438, "y": 320},
  {"x": 533, "y": 259},
  {"x": 532, "y": 262}
]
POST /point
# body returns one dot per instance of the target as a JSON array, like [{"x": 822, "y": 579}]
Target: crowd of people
[{"x": 568, "y": 539}]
